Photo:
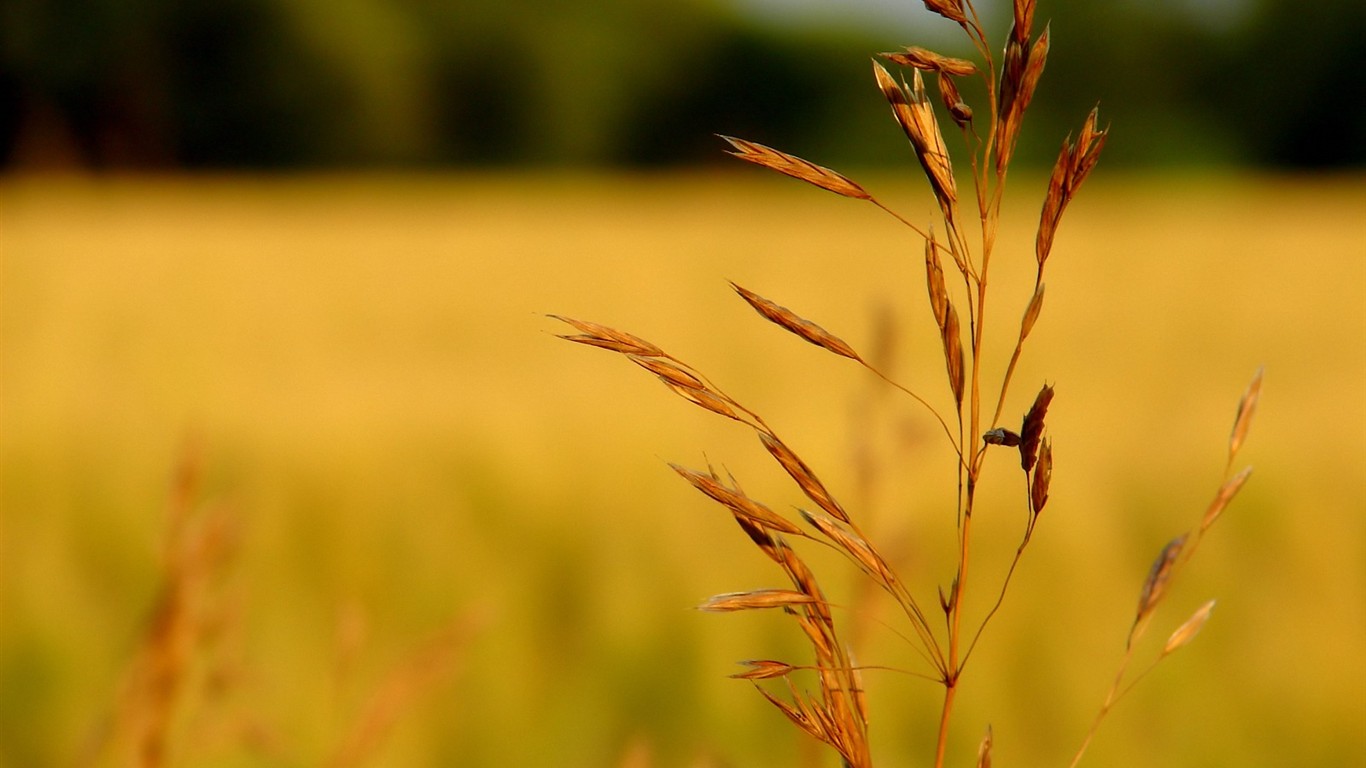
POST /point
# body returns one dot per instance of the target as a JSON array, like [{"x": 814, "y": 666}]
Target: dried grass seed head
[
  {"x": 755, "y": 599},
  {"x": 705, "y": 398},
  {"x": 1032, "y": 429},
  {"x": 1155, "y": 585},
  {"x": 1075, "y": 162},
  {"x": 772, "y": 546},
  {"x": 949, "y": 9},
  {"x": 1055, "y": 199},
  {"x": 924, "y": 59},
  {"x": 1022, "y": 21},
  {"x": 793, "y": 713},
  {"x": 669, "y": 371},
  {"x": 797, "y": 168},
  {"x": 1020, "y": 73},
  {"x": 853, "y": 545},
  {"x": 1189, "y": 628},
  {"x": 737, "y": 502},
  {"x": 953, "y": 355},
  {"x": 804, "y": 580},
  {"x": 984, "y": 749},
  {"x": 915, "y": 114},
  {"x": 763, "y": 669},
  {"x": 953, "y": 101},
  {"x": 934, "y": 282},
  {"x": 1032, "y": 311},
  {"x": 596, "y": 335},
  {"x": 1043, "y": 477},
  {"x": 1247, "y": 406},
  {"x": 1225, "y": 495},
  {"x": 803, "y": 475},
  {"x": 1087, "y": 151},
  {"x": 791, "y": 321}
]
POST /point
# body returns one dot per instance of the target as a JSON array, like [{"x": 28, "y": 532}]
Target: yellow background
[{"x": 384, "y": 409}]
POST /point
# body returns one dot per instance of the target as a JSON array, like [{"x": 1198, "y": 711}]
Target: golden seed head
[{"x": 797, "y": 168}]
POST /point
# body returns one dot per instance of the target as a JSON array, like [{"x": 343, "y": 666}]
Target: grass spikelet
[
  {"x": 1023, "y": 68},
  {"x": 704, "y": 398},
  {"x": 596, "y": 335},
  {"x": 786, "y": 318},
  {"x": 1189, "y": 628},
  {"x": 1155, "y": 586},
  {"x": 953, "y": 355},
  {"x": 1247, "y": 406},
  {"x": 1032, "y": 429},
  {"x": 1074, "y": 164},
  {"x": 1032, "y": 311},
  {"x": 805, "y": 581},
  {"x": 797, "y": 168},
  {"x": 755, "y": 599},
  {"x": 1225, "y": 495},
  {"x": 1042, "y": 478},
  {"x": 915, "y": 115},
  {"x": 953, "y": 101},
  {"x": 855, "y": 547},
  {"x": 929, "y": 61},
  {"x": 949, "y": 9},
  {"x": 1053, "y": 203},
  {"x": 794, "y": 713},
  {"x": 1022, "y": 20},
  {"x": 934, "y": 283},
  {"x": 669, "y": 371},
  {"x": 737, "y": 502},
  {"x": 984, "y": 750},
  {"x": 803, "y": 476},
  {"x": 763, "y": 669}
]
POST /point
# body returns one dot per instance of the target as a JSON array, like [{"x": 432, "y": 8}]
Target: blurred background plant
[{"x": 302, "y": 83}]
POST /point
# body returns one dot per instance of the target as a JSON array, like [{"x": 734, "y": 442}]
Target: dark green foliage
[{"x": 300, "y": 83}]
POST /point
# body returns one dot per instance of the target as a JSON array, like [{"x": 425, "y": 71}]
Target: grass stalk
[{"x": 835, "y": 714}]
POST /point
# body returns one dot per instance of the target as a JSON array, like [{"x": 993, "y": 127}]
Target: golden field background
[{"x": 381, "y": 409}]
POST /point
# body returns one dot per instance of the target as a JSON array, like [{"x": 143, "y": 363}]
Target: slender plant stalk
[{"x": 959, "y": 290}]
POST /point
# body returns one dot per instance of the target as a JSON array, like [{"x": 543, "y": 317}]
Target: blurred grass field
[{"x": 383, "y": 408}]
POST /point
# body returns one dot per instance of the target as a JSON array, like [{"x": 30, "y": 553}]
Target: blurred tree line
[{"x": 264, "y": 84}]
